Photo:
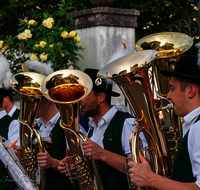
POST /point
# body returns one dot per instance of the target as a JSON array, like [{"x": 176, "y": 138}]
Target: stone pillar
[{"x": 102, "y": 32}]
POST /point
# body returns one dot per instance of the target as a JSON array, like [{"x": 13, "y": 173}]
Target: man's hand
[
  {"x": 92, "y": 150},
  {"x": 140, "y": 173},
  {"x": 62, "y": 166},
  {"x": 44, "y": 160},
  {"x": 67, "y": 160}
]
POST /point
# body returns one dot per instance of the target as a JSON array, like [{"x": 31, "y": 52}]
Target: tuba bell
[
  {"x": 67, "y": 88},
  {"x": 28, "y": 85}
]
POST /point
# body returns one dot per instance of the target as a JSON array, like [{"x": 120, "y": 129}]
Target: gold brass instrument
[
  {"x": 131, "y": 74},
  {"x": 67, "y": 88},
  {"x": 169, "y": 45},
  {"x": 28, "y": 85}
]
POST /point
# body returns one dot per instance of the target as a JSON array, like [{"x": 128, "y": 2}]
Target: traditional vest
[
  {"x": 5, "y": 180},
  {"x": 16, "y": 114},
  {"x": 182, "y": 167},
  {"x": 55, "y": 179},
  {"x": 112, "y": 178}
]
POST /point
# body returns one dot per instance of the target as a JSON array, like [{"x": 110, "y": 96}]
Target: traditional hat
[
  {"x": 186, "y": 67},
  {"x": 105, "y": 86}
]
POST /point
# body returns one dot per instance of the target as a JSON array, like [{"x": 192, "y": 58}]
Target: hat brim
[
  {"x": 176, "y": 74},
  {"x": 107, "y": 91}
]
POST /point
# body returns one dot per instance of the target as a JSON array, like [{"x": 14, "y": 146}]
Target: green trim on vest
[
  {"x": 111, "y": 177},
  {"x": 5, "y": 180},
  {"x": 182, "y": 167},
  {"x": 16, "y": 114},
  {"x": 55, "y": 179}
]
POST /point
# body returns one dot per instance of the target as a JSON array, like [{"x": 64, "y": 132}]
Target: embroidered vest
[
  {"x": 111, "y": 177},
  {"x": 55, "y": 179},
  {"x": 5, "y": 180},
  {"x": 182, "y": 167}
]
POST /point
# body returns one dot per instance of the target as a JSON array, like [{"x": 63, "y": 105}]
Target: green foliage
[
  {"x": 46, "y": 41},
  {"x": 156, "y": 15}
]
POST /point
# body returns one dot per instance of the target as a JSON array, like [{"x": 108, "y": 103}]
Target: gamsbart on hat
[{"x": 105, "y": 86}]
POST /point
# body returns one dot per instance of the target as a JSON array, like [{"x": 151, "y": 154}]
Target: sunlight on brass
[{"x": 179, "y": 43}]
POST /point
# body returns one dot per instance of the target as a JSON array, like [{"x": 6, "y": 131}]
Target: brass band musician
[
  {"x": 185, "y": 95},
  {"x": 109, "y": 134}
]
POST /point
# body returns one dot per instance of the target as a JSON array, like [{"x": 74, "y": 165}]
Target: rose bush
[{"x": 49, "y": 41}]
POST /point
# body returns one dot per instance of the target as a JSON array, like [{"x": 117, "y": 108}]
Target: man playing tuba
[
  {"x": 185, "y": 95},
  {"x": 109, "y": 134}
]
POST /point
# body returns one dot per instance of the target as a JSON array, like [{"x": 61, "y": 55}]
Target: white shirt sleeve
[
  {"x": 194, "y": 150},
  {"x": 129, "y": 126},
  {"x": 13, "y": 132}
]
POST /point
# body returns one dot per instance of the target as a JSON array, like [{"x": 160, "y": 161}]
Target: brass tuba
[
  {"x": 67, "y": 88},
  {"x": 28, "y": 85},
  {"x": 168, "y": 45},
  {"x": 134, "y": 74}
]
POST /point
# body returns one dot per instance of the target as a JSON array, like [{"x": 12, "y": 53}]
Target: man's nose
[{"x": 169, "y": 96}]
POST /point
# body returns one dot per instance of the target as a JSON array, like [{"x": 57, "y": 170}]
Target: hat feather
[
  {"x": 198, "y": 49},
  {"x": 5, "y": 72},
  {"x": 42, "y": 68}
]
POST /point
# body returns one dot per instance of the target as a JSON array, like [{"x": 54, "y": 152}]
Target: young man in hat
[
  {"x": 185, "y": 95},
  {"x": 8, "y": 104},
  {"x": 109, "y": 134}
]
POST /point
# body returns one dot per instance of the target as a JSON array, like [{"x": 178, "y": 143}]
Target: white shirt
[
  {"x": 98, "y": 133},
  {"x": 45, "y": 129},
  {"x": 193, "y": 141},
  {"x": 12, "y": 111},
  {"x": 13, "y": 131}
]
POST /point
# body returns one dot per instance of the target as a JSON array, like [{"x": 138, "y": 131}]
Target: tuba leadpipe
[
  {"x": 28, "y": 85},
  {"x": 67, "y": 88}
]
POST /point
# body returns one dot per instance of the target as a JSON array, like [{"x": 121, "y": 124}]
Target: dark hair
[
  {"x": 1, "y": 100},
  {"x": 11, "y": 96},
  {"x": 185, "y": 82},
  {"x": 97, "y": 91}
]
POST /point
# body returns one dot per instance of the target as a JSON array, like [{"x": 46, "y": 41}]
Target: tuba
[
  {"x": 133, "y": 74},
  {"x": 67, "y": 88},
  {"x": 28, "y": 85},
  {"x": 169, "y": 45}
]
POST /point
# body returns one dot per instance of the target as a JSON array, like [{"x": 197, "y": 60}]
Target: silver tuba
[
  {"x": 28, "y": 85},
  {"x": 67, "y": 88}
]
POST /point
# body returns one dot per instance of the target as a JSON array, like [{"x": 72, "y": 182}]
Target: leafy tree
[{"x": 155, "y": 15}]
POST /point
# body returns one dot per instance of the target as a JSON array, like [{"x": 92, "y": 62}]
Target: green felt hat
[
  {"x": 186, "y": 67},
  {"x": 105, "y": 85}
]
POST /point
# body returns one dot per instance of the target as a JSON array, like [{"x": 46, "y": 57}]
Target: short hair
[
  {"x": 185, "y": 82},
  {"x": 97, "y": 91},
  {"x": 5, "y": 93}
]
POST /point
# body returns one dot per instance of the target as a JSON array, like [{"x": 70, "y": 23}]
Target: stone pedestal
[{"x": 102, "y": 32}]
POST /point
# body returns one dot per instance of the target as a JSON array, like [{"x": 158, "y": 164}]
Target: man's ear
[
  {"x": 101, "y": 97},
  {"x": 192, "y": 90}
]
